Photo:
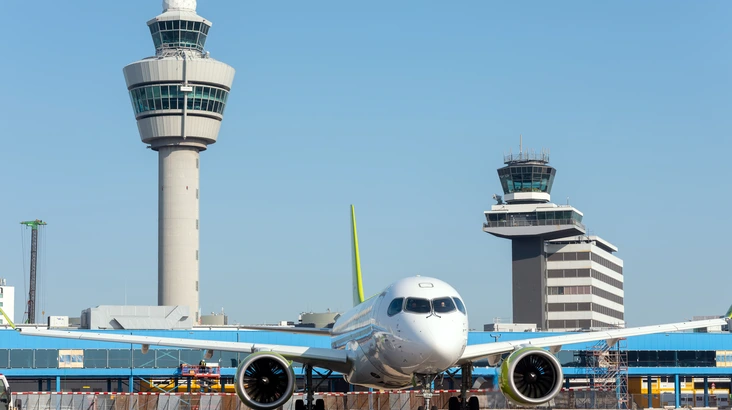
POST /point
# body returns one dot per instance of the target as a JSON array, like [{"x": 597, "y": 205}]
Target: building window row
[
  {"x": 579, "y": 324},
  {"x": 606, "y": 263},
  {"x": 584, "y": 273},
  {"x": 607, "y": 295},
  {"x": 569, "y": 290},
  {"x": 568, "y": 256},
  {"x": 526, "y": 179},
  {"x": 584, "y": 307},
  {"x": 596, "y": 307},
  {"x": 110, "y": 358},
  {"x": 673, "y": 358},
  {"x": 569, "y": 307},
  {"x": 169, "y": 97},
  {"x": 179, "y": 34}
]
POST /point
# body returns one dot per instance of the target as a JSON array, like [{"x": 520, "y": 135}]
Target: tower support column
[
  {"x": 529, "y": 281},
  {"x": 178, "y": 227}
]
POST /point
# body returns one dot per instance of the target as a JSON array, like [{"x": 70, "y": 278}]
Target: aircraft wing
[
  {"x": 333, "y": 359},
  {"x": 555, "y": 343},
  {"x": 290, "y": 329}
]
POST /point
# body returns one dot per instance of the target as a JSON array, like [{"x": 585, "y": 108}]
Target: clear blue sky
[{"x": 402, "y": 108}]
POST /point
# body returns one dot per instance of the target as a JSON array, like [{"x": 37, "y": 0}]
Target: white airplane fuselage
[{"x": 417, "y": 325}]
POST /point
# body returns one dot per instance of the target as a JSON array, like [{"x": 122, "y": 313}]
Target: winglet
[
  {"x": 357, "y": 281},
  {"x": 10, "y": 322}
]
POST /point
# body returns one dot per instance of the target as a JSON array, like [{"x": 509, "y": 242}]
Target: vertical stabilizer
[{"x": 357, "y": 281}]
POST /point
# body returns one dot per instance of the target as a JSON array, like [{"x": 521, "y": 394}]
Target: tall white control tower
[{"x": 178, "y": 97}]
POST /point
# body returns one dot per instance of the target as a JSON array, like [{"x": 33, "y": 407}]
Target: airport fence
[{"x": 397, "y": 400}]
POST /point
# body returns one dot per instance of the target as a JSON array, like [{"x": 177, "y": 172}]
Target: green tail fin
[
  {"x": 7, "y": 319},
  {"x": 357, "y": 281},
  {"x": 728, "y": 315}
]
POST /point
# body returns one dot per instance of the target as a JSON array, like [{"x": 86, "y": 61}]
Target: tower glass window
[
  {"x": 178, "y": 34},
  {"x": 169, "y": 97},
  {"x": 526, "y": 178}
]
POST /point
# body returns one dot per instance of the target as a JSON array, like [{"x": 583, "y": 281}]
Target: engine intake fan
[
  {"x": 264, "y": 381},
  {"x": 531, "y": 376}
]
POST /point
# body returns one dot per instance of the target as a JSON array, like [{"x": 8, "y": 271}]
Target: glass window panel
[
  {"x": 156, "y": 92},
  {"x": 46, "y": 358},
  {"x": 173, "y": 103},
  {"x": 201, "y": 40},
  {"x": 395, "y": 306},
  {"x": 196, "y": 26},
  {"x": 157, "y": 41},
  {"x": 21, "y": 358},
  {"x": 161, "y": 25},
  {"x": 140, "y": 360},
  {"x": 95, "y": 358},
  {"x": 459, "y": 304},
  {"x": 204, "y": 105},
  {"x": 166, "y": 358},
  {"x": 120, "y": 358},
  {"x": 190, "y": 104},
  {"x": 417, "y": 305},
  {"x": 158, "y": 104},
  {"x": 197, "y": 104},
  {"x": 206, "y": 92},
  {"x": 164, "y": 90},
  {"x": 190, "y": 356},
  {"x": 4, "y": 357},
  {"x": 198, "y": 92},
  {"x": 176, "y": 25},
  {"x": 443, "y": 305},
  {"x": 188, "y": 38},
  {"x": 229, "y": 359},
  {"x": 168, "y": 25},
  {"x": 166, "y": 104}
]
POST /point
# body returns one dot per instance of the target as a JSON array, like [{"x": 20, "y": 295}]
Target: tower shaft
[{"x": 178, "y": 227}]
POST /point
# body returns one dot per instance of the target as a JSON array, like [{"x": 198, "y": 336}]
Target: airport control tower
[
  {"x": 178, "y": 97},
  {"x": 529, "y": 219}
]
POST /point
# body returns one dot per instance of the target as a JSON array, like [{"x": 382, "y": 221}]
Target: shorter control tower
[{"x": 529, "y": 219}]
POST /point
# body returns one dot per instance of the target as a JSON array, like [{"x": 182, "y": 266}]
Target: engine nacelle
[
  {"x": 264, "y": 381},
  {"x": 530, "y": 376}
]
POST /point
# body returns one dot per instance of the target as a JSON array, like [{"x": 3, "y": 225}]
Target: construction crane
[{"x": 34, "y": 258}]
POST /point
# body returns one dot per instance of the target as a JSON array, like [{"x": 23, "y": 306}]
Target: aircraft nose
[{"x": 438, "y": 344}]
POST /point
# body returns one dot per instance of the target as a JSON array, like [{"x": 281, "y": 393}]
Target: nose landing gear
[{"x": 428, "y": 390}]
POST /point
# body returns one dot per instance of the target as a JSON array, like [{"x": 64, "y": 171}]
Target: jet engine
[
  {"x": 264, "y": 381},
  {"x": 530, "y": 376}
]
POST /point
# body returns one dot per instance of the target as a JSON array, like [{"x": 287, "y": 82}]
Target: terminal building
[{"x": 562, "y": 280}]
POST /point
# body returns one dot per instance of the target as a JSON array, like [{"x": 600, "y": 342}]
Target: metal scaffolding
[{"x": 607, "y": 369}]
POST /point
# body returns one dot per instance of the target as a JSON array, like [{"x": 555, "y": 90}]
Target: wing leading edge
[
  {"x": 555, "y": 343},
  {"x": 333, "y": 359}
]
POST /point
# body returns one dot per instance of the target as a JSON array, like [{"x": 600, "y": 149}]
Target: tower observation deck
[{"x": 178, "y": 98}]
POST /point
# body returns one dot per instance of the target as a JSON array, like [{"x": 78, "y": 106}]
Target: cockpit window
[
  {"x": 460, "y": 305},
  {"x": 417, "y": 305},
  {"x": 443, "y": 305},
  {"x": 395, "y": 306}
]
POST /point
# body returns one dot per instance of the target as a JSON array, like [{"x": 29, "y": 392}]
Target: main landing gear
[
  {"x": 310, "y": 403},
  {"x": 466, "y": 379}
]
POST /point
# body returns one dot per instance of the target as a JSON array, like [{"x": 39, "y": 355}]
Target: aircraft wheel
[
  {"x": 299, "y": 405},
  {"x": 473, "y": 403},
  {"x": 320, "y": 404},
  {"x": 453, "y": 403}
]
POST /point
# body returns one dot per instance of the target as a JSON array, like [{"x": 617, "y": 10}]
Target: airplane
[{"x": 405, "y": 336}]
